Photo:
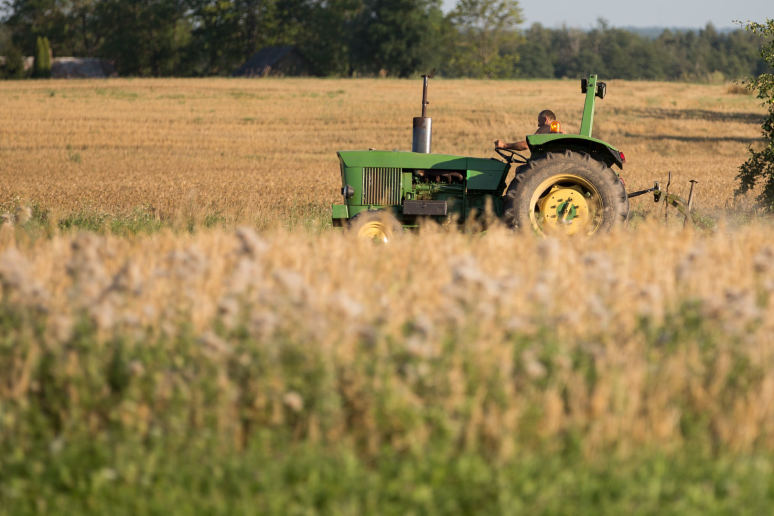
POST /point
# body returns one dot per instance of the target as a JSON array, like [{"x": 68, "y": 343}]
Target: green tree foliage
[
  {"x": 321, "y": 38},
  {"x": 392, "y": 35},
  {"x": 479, "y": 38},
  {"x": 214, "y": 42},
  {"x": 83, "y": 31},
  {"x": 31, "y": 19},
  {"x": 14, "y": 63},
  {"x": 42, "y": 66},
  {"x": 13, "y": 68},
  {"x": 71, "y": 25},
  {"x": 226, "y": 32},
  {"x": 759, "y": 167},
  {"x": 146, "y": 37},
  {"x": 487, "y": 45},
  {"x": 535, "y": 58}
]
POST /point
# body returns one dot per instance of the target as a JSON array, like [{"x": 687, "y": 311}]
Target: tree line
[{"x": 478, "y": 38}]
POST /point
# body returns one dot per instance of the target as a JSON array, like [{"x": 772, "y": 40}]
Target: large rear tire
[{"x": 566, "y": 194}]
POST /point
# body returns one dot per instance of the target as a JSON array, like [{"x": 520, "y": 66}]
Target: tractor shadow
[
  {"x": 692, "y": 139},
  {"x": 692, "y": 114}
]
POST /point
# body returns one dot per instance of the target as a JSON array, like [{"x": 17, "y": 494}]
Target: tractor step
[{"x": 433, "y": 208}]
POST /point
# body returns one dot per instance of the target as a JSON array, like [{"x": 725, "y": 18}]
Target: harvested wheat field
[
  {"x": 251, "y": 360},
  {"x": 263, "y": 152}
]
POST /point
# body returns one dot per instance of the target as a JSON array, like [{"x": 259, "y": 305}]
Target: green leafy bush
[
  {"x": 14, "y": 63},
  {"x": 759, "y": 167}
]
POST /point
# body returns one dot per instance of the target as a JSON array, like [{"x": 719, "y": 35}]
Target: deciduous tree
[
  {"x": 759, "y": 167},
  {"x": 488, "y": 37},
  {"x": 147, "y": 37},
  {"x": 393, "y": 35}
]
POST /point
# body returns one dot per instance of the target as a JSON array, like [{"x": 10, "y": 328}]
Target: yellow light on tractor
[{"x": 556, "y": 127}]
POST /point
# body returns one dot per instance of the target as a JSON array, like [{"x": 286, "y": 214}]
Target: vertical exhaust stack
[{"x": 423, "y": 126}]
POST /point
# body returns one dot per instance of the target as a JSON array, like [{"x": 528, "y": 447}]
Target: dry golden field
[{"x": 263, "y": 151}]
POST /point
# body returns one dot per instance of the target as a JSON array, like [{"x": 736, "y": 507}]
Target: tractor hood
[{"x": 417, "y": 160}]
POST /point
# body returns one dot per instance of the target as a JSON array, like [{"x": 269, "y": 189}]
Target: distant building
[
  {"x": 72, "y": 67},
  {"x": 81, "y": 67},
  {"x": 284, "y": 60}
]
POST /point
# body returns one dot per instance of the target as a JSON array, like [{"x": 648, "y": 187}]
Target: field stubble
[{"x": 263, "y": 152}]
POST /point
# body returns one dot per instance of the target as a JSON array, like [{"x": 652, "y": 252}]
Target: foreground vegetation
[{"x": 234, "y": 372}]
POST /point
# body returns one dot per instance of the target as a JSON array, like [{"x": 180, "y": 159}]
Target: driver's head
[{"x": 545, "y": 118}]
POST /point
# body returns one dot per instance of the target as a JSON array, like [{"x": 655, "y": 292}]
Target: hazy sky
[{"x": 642, "y": 13}]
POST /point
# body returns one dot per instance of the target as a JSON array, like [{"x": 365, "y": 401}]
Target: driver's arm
[{"x": 519, "y": 146}]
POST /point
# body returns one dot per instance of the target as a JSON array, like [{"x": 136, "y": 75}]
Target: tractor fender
[{"x": 597, "y": 149}]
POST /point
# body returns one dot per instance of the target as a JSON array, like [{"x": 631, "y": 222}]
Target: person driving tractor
[{"x": 546, "y": 124}]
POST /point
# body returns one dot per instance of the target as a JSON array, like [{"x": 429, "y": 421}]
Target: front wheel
[
  {"x": 376, "y": 226},
  {"x": 566, "y": 194}
]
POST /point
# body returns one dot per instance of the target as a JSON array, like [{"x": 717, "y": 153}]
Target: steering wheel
[{"x": 509, "y": 155}]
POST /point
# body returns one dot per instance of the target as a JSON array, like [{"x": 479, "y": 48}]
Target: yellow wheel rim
[
  {"x": 566, "y": 205},
  {"x": 375, "y": 231}
]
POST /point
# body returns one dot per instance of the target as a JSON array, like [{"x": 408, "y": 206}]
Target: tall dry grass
[
  {"x": 263, "y": 151},
  {"x": 625, "y": 338}
]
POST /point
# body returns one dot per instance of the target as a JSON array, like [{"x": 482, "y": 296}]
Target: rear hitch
[
  {"x": 656, "y": 192},
  {"x": 683, "y": 206}
]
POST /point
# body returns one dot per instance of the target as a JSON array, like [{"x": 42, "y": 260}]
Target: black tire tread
[{"x": 609, "y": 185}]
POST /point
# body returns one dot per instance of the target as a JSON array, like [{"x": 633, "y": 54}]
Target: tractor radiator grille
[{"x": 381, "y": 186}]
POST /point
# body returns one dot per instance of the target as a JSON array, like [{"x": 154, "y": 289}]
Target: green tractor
[{"x": 568, "y": 185}]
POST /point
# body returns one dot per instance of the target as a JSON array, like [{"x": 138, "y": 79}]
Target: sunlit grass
[{"x": 264, "y": 150}]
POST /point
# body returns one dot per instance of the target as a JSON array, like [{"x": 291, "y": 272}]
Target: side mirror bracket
[{"x": 601, "y": 89}]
